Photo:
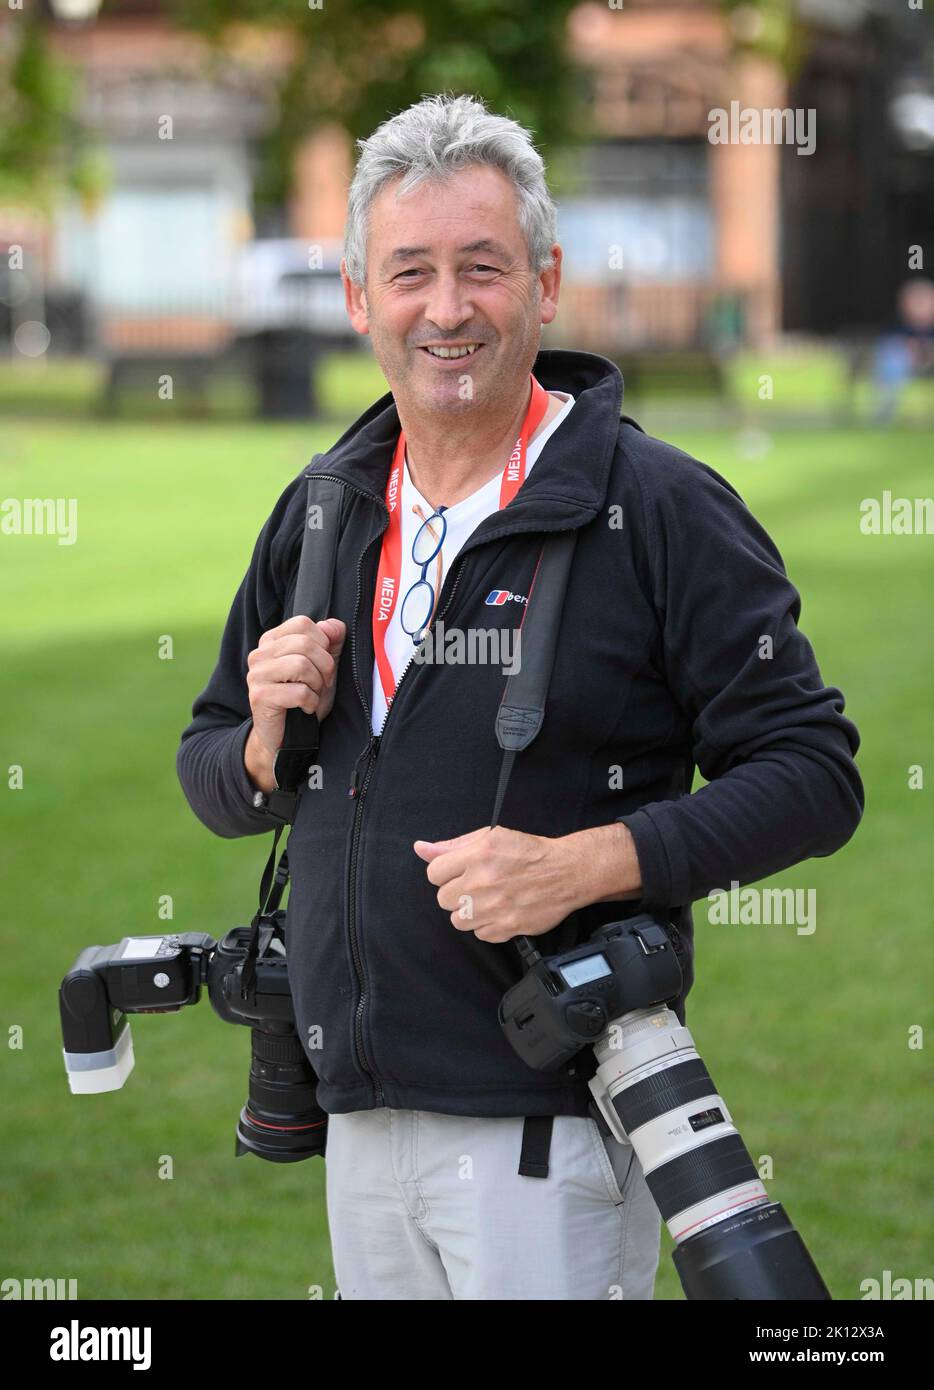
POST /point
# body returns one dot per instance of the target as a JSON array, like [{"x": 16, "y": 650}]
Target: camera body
[
  {"x": 281, "y": 1120},
  {"x": 566, "y": 1001}
]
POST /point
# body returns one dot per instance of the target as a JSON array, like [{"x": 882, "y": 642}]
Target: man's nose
[{"x": 449, "y": 302}]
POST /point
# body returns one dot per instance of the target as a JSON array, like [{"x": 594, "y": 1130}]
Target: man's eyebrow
[
  {"x": 485, "y": 245},
  {"x": 404, "y": 253}
]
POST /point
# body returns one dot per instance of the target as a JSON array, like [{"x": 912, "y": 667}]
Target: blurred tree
[
  {"x": 357, "y": 62},
  {"x": 44, "y": 148},
  {"x": 773, "y": 28}
]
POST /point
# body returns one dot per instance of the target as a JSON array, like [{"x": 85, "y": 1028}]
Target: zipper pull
[{"x": 371, "y": 747}]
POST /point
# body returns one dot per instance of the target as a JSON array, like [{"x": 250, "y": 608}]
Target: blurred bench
[{"x": 697, "y": 372}]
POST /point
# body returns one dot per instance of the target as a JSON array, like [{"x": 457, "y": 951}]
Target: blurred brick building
[{"x": 670, "y": 241}]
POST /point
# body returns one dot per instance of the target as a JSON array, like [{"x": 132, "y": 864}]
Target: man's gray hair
[{"x": 435, "y": 138}]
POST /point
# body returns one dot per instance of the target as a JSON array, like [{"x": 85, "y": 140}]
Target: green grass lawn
[{"x": 806, "y": 1036}]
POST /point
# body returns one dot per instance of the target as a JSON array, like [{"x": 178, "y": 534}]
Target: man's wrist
[
  {"x": 258, "y": 762},
  {"x": 603, "y": 864}
]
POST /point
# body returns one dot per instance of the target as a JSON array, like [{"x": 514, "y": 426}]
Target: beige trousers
[{"x": 429, "y": 1206}]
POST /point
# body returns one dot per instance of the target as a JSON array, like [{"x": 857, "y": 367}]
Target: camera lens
[{"x": 281, "y": 1120}]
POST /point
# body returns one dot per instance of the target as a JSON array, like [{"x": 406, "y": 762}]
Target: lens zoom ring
[
  {"x": 277, "y": 1047},
  {"x": 700, "y": 1173},
  {"x": 661, "y": 1092}
]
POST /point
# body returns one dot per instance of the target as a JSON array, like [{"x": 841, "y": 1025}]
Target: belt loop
[{"x": 536, "y": 1143}]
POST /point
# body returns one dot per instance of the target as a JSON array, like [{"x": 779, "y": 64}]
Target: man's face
[{"x": 447, "y": 265}]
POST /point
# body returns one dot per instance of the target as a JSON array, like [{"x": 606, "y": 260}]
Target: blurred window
[
  {"x": 160, "y": 245},
  {"x": 646, "y": 214}
]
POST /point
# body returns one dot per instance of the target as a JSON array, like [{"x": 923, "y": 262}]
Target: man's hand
[
  {"x": 501, "y": 883},
  {"x": 293, "y": 667}
]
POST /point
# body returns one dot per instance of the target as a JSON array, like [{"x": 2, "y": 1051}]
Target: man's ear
[
  {"x": 550, "y": 282},
  {"x": 355, "y": 301}
]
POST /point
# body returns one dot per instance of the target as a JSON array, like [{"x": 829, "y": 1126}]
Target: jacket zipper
[
  {"x": 358, "y": 787},
  {"x": 358, "y": 791}
]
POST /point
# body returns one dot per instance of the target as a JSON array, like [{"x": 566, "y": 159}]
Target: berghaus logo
[{"x": 496, "y": 597}]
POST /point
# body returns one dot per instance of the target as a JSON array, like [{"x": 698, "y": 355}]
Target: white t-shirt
[{"x": 462, "y": 520}]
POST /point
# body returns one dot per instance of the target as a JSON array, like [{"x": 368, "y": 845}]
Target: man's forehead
[{"x": 481, "y": 187}]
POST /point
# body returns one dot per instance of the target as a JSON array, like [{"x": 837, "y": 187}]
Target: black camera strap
[
  {"x": 518, "y": 721},
  {"x": 313, "y": 589},
  {"x": 520, "y": 717}
]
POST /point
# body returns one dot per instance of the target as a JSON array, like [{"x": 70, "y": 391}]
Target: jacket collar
[{"x": 567, "y": 486}]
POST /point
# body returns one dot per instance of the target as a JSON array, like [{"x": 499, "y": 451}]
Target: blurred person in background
[{"x": 906, "y": 351}]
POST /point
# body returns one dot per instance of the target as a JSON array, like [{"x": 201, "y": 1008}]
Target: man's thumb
[
  {"x": 431, "y": 849},
  {"x": 336, "y": 632}
]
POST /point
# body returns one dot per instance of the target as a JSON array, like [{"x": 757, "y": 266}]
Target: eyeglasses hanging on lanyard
[
  {"x": 388, "y": 572},
  {"x": 419, "y": 602}
]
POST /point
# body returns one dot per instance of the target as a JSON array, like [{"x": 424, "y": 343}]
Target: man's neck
[{"x": 447, "y": 464}]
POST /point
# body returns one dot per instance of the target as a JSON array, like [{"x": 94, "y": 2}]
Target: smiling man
[
  {"x": 454, "y": 1170},
  {"x": 461, "y": 395}
]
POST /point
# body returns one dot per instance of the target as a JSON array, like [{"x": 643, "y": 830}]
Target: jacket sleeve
[
  {"x": 209, "y": 761},
  {"x": 768, "y": 736}
]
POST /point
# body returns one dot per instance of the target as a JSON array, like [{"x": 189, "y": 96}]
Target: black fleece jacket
[{"x": 662, "y": 666}]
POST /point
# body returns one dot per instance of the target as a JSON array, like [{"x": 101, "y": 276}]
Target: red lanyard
[{"x": 387, "y": 579}]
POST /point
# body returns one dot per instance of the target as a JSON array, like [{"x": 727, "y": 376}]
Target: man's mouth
[{"x": 452, "y": 354}]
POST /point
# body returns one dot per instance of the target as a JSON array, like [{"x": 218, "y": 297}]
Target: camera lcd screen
[
  {"x": 141, "y": 947},
  {"x": 581, "y": 972}
]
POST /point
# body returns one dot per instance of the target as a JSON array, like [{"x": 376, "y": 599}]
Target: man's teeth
[{"x": 453, "y": 351}]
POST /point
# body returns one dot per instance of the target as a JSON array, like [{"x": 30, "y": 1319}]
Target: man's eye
[{"x": 415, "y": 270}]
